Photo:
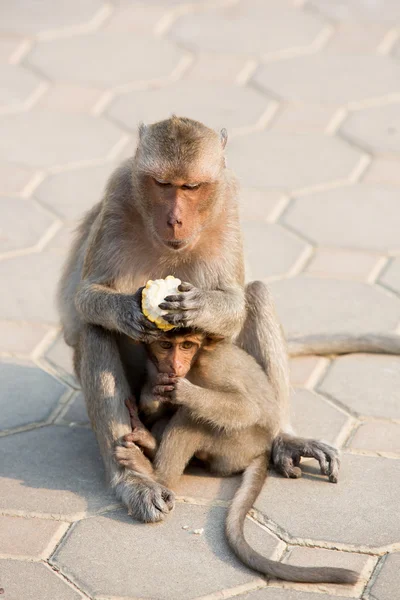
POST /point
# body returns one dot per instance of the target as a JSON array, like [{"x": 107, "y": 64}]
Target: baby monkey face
[{"x": 175, "y": 353}]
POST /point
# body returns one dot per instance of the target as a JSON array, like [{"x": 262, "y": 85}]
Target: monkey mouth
[{"x": 176, "y": 244}]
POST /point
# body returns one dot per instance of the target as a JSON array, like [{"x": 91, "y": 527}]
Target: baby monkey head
[{"x": 176, "y": 350}]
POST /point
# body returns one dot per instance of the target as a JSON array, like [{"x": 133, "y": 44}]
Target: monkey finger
[
  {"x": 334, "y": 466},
  {"x": 175, "y": 298},
  {"x": 321, "y": 458},
  {"x": 185, "y": 287},
  {"x": 161, "y": 390},
  {"x": 178, "y": 319},
  {"x": 171, "y": 306},
  {"x": 166, "y": 378}
]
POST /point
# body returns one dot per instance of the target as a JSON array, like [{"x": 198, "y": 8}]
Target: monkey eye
[
  {"x": 187, "y": 345},
  {"x": 166, "y": 345},
  {"x": 191, "y": 186},
  {"x": 161, "y": 183}
]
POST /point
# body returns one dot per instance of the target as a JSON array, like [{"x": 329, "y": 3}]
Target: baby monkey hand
[{"x": 169, "y": 388}]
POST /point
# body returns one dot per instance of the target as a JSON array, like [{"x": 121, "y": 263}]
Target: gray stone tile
[
  {"x": 27, "y": 393},
  {"x": 199, "y": 564},
  {"x": 330, "y": 78},
  {"x": 377, "y": 437},
  {"x": 383, "y": 169},
  {"x": 388, "y": 582},
  {"x": 302, "y": 118},
  {"x": 8, "y": 45},
  {"x": 260, "y": 205},
  {"x": 60, "y": 356},
  {"x": 342, "y": 264},
  {"x": 313, "y": 417},
  {"x": 22, "y": 16},
  {"x": 221, "y": 30},
  {"x": 100, "y": 59},
  {"x": 22, "y": 223},
  {"x": 13, "y": 178},
  {"x": 271, "y": 593},
  {"x": 24, "y": 580},
  {"x": 21, "y": 337},
  {"x": 269, "y": 250},
  {"x": 385, "y": 11},
  {"x": 17, "y": 84},
  {"x": 312, "y": 306},
  {"x": 71, "y": 193},
  {"x": 377, "y": 129},
  {"x": 313, "y": 508},
  {"x": 215, "y": 68},
  {"x": 367, "y": 384},
  {"x": 136, "y": 17},
  {"x": 34, "y": 538},
  {"x": 320, "y": 557},
  {"x": 391, "y": 276},
  {"x": 200, "y": 484},
  {"x": 366, "y": 217},
  {"x": 302, "y": 368},
  {"x": 32, "y": 277},
  {"x": 83, "y": 138},
  {"x": 76, "y": 411},
  {"x": 356, "y": 38},
  {"x": 70, "y": 98},
  {"x": 54, "y": 471},
  {"x": 236, "y": 106},
  {"x": 269, "y": 159}
]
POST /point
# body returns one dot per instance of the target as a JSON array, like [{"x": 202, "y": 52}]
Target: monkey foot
[
  {"x": 287, "y": 452},
  {"x": 146, "y": 500}
]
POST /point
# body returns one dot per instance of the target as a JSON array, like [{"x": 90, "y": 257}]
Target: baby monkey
[{"x": 209, "y": 399}]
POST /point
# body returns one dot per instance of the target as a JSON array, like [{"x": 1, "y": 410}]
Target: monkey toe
[{"x": 295, "y": 473}]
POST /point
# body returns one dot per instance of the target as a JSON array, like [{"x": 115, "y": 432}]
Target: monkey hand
[
  {"x": 132, "y": 321},
  {"x": 164, "y": 387},
  {"x": 185, "y": 307}
]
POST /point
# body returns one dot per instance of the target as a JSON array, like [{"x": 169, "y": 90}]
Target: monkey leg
[
  {"x": 287, "y": 451},
  {"x": 105, "y": 388},
  {"x": 180, "y": 441}
]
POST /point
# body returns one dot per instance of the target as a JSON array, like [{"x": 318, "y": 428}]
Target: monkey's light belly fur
[{"x": 153, "y": 294}]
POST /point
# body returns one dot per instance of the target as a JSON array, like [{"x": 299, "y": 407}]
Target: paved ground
[{"x": 310, "y": 94}]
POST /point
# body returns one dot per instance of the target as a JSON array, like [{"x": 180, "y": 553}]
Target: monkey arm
[
  {"x": 101, "y": 305},
  {"x": 227, "y": 409},
  {"x": 217, "y": 312}
]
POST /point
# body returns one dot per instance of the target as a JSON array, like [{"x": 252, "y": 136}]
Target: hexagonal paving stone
[
  {"x": 314, "y": 306},
  {"x": 386, "y": 11},
  {"x": 260, "y": 205},
  {"x": 25, "y": 579},
  {"x": 391, "y": 276},
  {"x": 220, "y": 30},
  {"x": 377, "y": 129},
  {"x": 13, "y": 178},
  {"x": 22, "y": 223},
  {"x": 76, "y": 411},
  {"x": 269, "y": 250},
  {"x": 358, "y": 216},
  {"x": 17, "y": 85},
  {"x": 387, "y": 584},
  {"x": 383, "y": 169},
  {"x": 377, "y": 436},
  {"x": 31, "y": 287},
  {"x": 29, "y": 18},
  {"x": 330, "y": 78},
  {"x": 367, "y": 384},
  {"x": 54, "y": 471},
  {"x": 313, "y": 417},
  {"x": 60, "y": 356},
  {"x": 313, "y": 508},
  {"x": 44, "y": 139},
  {"x": 268, "y": 159},
  {"x": 71, "y": 193},
  {"x": 27, "y": 393},
  {"x": 343, "y": 264},
  {"x": 101, "y": 58},
  {"x": 204, "y": 559},
  {"x": 21, "y": 337},
  {"x": 36, "y": 538},
  {"x": 236, "y": 107},
  {"x": 271, "y": 593}
]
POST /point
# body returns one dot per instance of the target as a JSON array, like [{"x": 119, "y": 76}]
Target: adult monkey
[{"x": 171, "y": 209}]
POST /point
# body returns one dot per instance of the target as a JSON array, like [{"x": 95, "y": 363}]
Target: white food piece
[{"x": 153, "y": 294}]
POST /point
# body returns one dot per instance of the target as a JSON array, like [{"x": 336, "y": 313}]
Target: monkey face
[
  {"x": 174, "y": 354},
  {"x": 179, "y": 209}
]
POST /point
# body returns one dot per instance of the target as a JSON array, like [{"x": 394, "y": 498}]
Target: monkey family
[{"x": 172, "y": 209}]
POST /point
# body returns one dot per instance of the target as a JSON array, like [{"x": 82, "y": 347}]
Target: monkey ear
[
  {"x": 223, "y": 136},
  {"x": 142, "y": 129}
]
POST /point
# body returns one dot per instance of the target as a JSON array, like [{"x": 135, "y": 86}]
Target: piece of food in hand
[{"x": 153, "y": 294}]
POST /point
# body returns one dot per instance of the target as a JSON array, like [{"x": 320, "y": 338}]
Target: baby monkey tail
[{"x": 251, "y": 486}]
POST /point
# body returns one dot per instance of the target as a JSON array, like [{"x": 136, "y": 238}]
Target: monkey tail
[
  {"x": 252, "y": 483},
  {"x": 322, "y": 344}
]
